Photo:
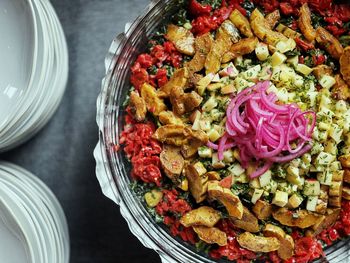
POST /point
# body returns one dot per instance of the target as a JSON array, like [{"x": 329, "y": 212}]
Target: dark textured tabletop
[{"x": 61, "y": 154}]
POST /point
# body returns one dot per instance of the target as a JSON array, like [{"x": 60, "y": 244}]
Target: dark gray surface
[{"x": 61, "y": 154}]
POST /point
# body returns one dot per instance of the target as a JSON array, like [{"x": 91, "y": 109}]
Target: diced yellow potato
[
  {"x": 210, "y": 104},
  {"x": 265, "y": 178},
  {"x": 228, "y": 156},
  {"x": 215, "y": 86},
  {"x": 335, "y": 189},
  {"x": 306, "y": 158},
  {"x": 295, "y": 201},
  {"x": 298, "y": 80},
  {"x": 323, "y": 126},
  {"x": 311, "y": 187},
  {"x": 213, "y": 135},
  {"x": 203, "y": 83},
  {"x": 254, "y": 183},
  {"x": 285, "y": 46},
  {"x": 278, "y": 59},
  {"x": 280, "y": 199},
  {"x": 293, "y": 61},
  {"x": 338, "y": 176},
  {"x": 292, "y": 170},
  {"x": 228, "y": 89},
  {"x": 311, "y": 203},
  {"x": 262, "y": 51},
  {"x": 205, "y": 152},
  {"x": 330, "y": 146},
  {"x": 257, "y": 195},
  {"x": 241, "y": 84},
  {"x": 305, "y": 70},
  {"x": 327, "y": 81},
  {"x": 294, "y": 179},
  {"x": 153, "y": 197},
  {"x": 201, "y": 170},
  {"x": 196, "y": 124},
  {"x": 215, "y": 163}
]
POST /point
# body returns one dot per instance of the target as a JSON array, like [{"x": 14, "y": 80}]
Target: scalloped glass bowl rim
[{"x": 110, "y": 166}]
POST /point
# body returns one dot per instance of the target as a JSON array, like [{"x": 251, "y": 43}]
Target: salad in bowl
[{"x": 237, "y": 128}]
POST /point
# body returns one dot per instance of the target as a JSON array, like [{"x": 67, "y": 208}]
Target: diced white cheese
[
  {"x": 311, "y": 203},
  {"x": 216, "y": 78},
  {"x": 335, "y": 133},
  {"x": 210, "y": 104},
  {"x": 311, "y": 187},
  {"x": 280, "y": 199},
  {"x": 262, "y": 51},
  {"x": 265, "y": 178},
  {"x": 236, "y": 169},
  {"x": 252, "y": 73},
  {"x": 205, "y": 125},
  {"x": 257, "y": 195},
  {"x": 324, "y": 158},
  {"x": 340, "y": 106},
  {"x": 335, "y": 166},
  {"x": 327, "y": 81},
  {"x": 325, "y": 177},
  {"x": 229, "y": 71},
  {"x": 205, "y": 152}
]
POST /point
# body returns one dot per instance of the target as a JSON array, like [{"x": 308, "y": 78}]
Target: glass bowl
[{"x": 113, "y": 169}]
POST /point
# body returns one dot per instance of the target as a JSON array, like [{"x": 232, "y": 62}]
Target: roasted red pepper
[
  {"x": 286, "y": 8},
  {"x": 304, "y": 45},
  {"x": 197, "y": 9}
]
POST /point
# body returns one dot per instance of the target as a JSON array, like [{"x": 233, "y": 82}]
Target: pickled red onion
[{"x": 264, "y": 130}]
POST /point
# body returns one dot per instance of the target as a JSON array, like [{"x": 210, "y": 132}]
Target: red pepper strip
[
  {"x": 197, "y": 9},
  {"x": 304, "y": 45}
]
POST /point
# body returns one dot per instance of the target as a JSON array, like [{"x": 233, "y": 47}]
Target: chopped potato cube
[
  {"x": 153, "y": 197},
  {"x": 215, "y": 163},
  {"x": 280, "y": 199},
  {"x": 254, "y": 183},
  {"x": 278, "y": 59},
  {"x": 335, "y": 189},
  {"x": 295, "y": 201},
  {"x": 213, "y": 135},
  {"x": 305, "y": 70}
]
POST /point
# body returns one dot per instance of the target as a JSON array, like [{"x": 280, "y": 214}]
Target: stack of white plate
[
  {"x": 33, "y": 68},
  {"x": 33, "y": 227}
]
